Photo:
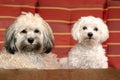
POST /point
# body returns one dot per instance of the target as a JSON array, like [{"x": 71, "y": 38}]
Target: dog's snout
[
  {"x": 90, "y": 34},
  {"x": 30, "y": 40}
]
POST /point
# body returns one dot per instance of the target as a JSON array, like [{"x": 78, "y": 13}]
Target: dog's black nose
[
  {"x": 90, "y": 34},
  {"x": 30, "y": 40}
]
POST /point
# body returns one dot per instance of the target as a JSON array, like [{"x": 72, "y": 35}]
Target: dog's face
[
  {"x": 29, "y": 33},
  {"x": 90, "y": 30},
  {"x": 29, "y": 39}
]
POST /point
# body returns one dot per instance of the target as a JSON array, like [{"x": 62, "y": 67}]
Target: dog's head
[
  {"x": 90, "y": 30},
  {"x": 29, "y": 33}
]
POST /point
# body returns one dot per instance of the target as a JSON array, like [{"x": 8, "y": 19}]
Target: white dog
[
  {"x": 90, "y": 32},
  {"x": 27, "y": 44}
]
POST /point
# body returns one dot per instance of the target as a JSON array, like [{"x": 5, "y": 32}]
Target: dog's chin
[
  {"x": 89, "y": 41},
  {"x": 30, "y": 47}
]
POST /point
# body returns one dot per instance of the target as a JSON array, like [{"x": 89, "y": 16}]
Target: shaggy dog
[
  {"x": 27, "y": 44},
  {"x": 90, "y": 32}
]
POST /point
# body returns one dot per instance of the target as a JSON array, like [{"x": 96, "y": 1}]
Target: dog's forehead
[
  {"x": 89, "y": 19},
  {"x": 31, "y": 27},
  {"x": 89, "y": 23},
  {"x": 28, "y": 22},
  {"x": 93, "y": 22},
  {"x": 28, "y": 26}
]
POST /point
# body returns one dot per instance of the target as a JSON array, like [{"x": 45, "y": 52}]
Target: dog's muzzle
[{"x": 30, "y": 47}]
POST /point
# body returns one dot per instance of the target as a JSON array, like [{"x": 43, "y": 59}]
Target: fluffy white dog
[
  {"x": 27, "y": 44},
  {"x": 90, "y": 32}
]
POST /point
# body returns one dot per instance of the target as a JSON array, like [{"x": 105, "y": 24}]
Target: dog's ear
[
  {"x": 48, "y": 38},
  {"x": 76, "y": 31},
  {"x": 48, "y": 45},
  {"x": 10, "y": 40},
  {"x": 104, "y": 31}
]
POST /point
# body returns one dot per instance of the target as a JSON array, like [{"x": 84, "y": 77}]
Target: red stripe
[
  {"x": 8, "y": 11},
  {"x": 114, "y": 13},
  {"x": 64, "y": 40},
  {"x": 18, "y": 2},
  {"x": 4, "y": 23},
  {"x": 60, "y": 27},
  {"x": 2, "y": 33},
  {"x": 114, "y": 25},
  {"x": 14, "y": 11},
  {"x": 114, "y": 62},
  {"x": 113, "y": 49},
  {"x": 75, "y": 15},
  {"x": 113, "y": 2},
  {"x": 114, "y": 37},
  {"x": 52, "y": 14},
  {"x": 53, "y": 3},
  {"x": 72, "y": 3},
  {"x": 87, "y": 3},
  {"x": 61, "y": 52},
  {"x": 68, "y": 15}
]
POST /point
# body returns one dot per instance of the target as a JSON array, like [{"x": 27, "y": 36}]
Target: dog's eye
[
  {"x": 95, "y": 29},
  {"x": 36, "y": 31},
  {"x": 84, "y": 28},
  {"x": 23, "y": 31}
]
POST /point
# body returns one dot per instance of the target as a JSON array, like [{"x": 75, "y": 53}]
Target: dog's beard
[
  {"x": 30, "y": 47},
  {"x": 89, "y": 41}
]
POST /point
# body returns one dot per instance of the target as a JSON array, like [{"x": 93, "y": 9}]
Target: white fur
[
  {"x": 88, "y": 52},
  {"x": 28, "y": 61},
  {"x": 18, "y": 52}
]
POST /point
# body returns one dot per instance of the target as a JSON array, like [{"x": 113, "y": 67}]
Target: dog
[
  {"x": 28, "y": 44},
  {"x": 90, "y": 32}
]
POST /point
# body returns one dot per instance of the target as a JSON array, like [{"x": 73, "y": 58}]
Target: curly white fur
[
  {"x": 27, "y": 44},
  {"x": 90, "y": 32}
]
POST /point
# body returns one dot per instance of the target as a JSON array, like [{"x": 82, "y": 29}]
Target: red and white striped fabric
[
  {"x": 61, "y": 15},
  {"x": 113, "y": 21}
]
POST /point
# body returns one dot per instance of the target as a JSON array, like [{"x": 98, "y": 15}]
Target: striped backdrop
[{"x": 61, "y": 15}]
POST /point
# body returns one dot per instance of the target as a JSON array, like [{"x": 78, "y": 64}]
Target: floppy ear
[
  {"x": 48, "y": 45},
  {"x": 48, "y": 38},
  {"x": 104, "y": 30},
  {"x": 10, "y": 40},
  {"x": 75, "y": 30}
]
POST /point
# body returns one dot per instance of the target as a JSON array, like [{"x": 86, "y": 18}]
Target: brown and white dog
[{"x": 27, "y": 44}]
